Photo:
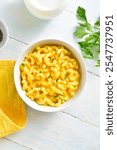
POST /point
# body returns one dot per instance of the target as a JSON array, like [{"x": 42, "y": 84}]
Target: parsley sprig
[{"x": 88, "y": 35}]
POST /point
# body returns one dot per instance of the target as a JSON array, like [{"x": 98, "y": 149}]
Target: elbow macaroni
[{"x": 50, "y": 75}]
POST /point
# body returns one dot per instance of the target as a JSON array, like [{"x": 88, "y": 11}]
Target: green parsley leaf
[
  {"x": 81, "y": 14},
  {"x": 80, "y": 32},
  {"x": 97, "y": 23},
  {"x": 57, "y": 80},
  {"x": 88, "y": 36},
  {"x": 98, "y": 63},
  {"x": 66, "y": 75},
  {"x": 23, "y": 64},
  {"x": 41, "y": 71}
]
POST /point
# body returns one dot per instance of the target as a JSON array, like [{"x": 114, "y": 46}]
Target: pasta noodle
[{"x": 50, "y": 75}]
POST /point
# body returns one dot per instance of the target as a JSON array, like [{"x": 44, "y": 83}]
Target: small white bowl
[
  {"x": 33, "y": 104},
  {"x": 45, "y": 13},
  {"x": 4, "y": 30}
]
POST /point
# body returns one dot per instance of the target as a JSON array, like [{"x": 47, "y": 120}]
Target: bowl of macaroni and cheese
[{"x": 50, "y": 75}]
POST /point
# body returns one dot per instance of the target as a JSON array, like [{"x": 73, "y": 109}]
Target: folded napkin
[{"x": 12, "y": 108}]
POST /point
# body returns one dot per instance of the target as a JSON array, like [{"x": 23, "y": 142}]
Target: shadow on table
[{"x": 43, "y": 117}]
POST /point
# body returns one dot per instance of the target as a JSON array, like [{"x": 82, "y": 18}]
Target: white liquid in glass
[{"x": 47, "y": 4}]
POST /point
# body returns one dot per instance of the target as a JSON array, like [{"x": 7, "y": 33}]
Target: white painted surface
[
  {"x": 12, "y": 50},
  {"x": 92, "y": 7},
  {"x": 29, "y": 29},
  {"x": 57, "y": 131},
  {"x": 87, "y": 108},
  {"x": 75, "y": 128},
  {"x": 9, "y": 145}
]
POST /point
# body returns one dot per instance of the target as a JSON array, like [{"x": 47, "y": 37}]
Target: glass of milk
[{"x": 45, "y": 9}]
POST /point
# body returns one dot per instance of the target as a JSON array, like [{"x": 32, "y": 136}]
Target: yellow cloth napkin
[{"x": 12, "y": 108}]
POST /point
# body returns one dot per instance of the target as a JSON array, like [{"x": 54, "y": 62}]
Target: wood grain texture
[
  {"x": 12, "y": 50},
  {"x": 29, "y": 29},
  {"x": 84, "y": 109},
  {"x": 9, "y": 145},
  {"x": 75, "y": 128},
  {"x": 57, "y": 131},
  {"x": 88, "y": 105},
  {"x": 92, "y": 7}
]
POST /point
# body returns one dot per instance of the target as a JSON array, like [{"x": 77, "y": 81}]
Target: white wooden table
[{"x": 75, "y": 128}]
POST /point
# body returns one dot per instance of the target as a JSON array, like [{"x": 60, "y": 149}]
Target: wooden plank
[
  {"x": 9, "y": 145},
  {"x": 53, "y": 131},
  {"x": 87, "y": 108},
  {"x": 12, "y": 50},
  {"x": 56, "y": 131},
  {"x": 23, "y": 26},
  {"x": 92, "y": 7}
]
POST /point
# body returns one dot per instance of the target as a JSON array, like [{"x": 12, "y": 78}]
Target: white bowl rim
[
  {"x": 5, "y": 32},
  {"x": 33, "y": 104}
]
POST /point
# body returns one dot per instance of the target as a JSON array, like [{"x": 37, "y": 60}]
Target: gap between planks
[
  {"x": 61, "y": 111},
  {"x": 18, "y": 40},
  {"x": 70, "y": 115},
  {"x": 82, "y": 120},
  {"x": 28, "y": 44},
  {"x": 18, "y": 143},
  {"x": 70, "y": 11}
]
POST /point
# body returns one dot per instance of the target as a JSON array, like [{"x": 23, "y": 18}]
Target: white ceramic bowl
[
  {"x": 17, "y": 77},
  {"x": 4, "y": 30},
  {"x": 44, "y": 13}
]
